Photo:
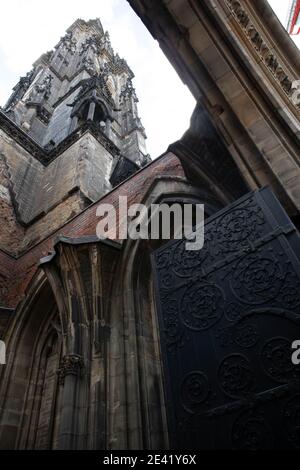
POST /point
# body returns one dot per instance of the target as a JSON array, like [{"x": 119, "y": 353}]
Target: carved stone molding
[
  {"x": 70, "y": 365},
  {"x": 117, "y": 65},
  {"x": 17, "y": 134},
  {"x": 97, "y": 84},
  {"x": 68, "y": 43},
  {"x": 44, "y": 156},
  {"x": 262, "y": 49},
  {"x": 128, "y": 91},
  {"x": 41, "y": 91}
]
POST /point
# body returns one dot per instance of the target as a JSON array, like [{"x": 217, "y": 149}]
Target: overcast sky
[{"x": 28, "y": 28}]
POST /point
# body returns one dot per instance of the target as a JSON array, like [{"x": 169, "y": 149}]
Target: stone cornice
[
  {"x": 280, "y": 36},
  {"x": 46, "y": 157},
  {"x": 83, "y": 240},
  {"x": 21, "y": 138}
]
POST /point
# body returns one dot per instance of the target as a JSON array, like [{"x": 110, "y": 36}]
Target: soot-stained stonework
[{"x": 79, "y": 88}]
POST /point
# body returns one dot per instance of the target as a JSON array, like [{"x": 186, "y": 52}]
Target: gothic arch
[
  {"x": 135, "y": 385},
  {"x": 27, "y": 420}
]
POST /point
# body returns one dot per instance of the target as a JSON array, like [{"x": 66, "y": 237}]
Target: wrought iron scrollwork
[
  {"x": 257, "y": 279},
  {"x": 195, "y": 391},
  {"x": 201, "y": 306}
]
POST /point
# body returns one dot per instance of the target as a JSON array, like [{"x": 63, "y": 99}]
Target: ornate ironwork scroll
[{"x": 228, "y": 315}]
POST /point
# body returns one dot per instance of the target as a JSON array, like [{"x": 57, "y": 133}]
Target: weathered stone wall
[
  {"x": 11, "y": 231},
  {"x": 41, "y": 236}
]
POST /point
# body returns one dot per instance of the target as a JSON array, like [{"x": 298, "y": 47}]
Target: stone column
[
  {"x": 74, "y": 124},
  {"x": 65, "y": 276},
  {"x": 71, "y": 371},
  {"x": 91, "y": 112}
]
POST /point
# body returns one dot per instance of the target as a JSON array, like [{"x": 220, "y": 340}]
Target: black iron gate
[{"x": 228, "y": 316}]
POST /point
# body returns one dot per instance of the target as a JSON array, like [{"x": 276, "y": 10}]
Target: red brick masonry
[{"x": 16, "y": 273}]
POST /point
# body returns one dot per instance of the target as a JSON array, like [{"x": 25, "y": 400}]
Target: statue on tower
[
  {"x": 41, "y": 91},
  {"x": 19, "y": 90}
]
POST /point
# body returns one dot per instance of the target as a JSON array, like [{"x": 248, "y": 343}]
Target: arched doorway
[{"x": 30, "y": 398}]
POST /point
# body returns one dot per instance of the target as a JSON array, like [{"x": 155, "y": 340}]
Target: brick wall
[{"x": 15, "y": 274}]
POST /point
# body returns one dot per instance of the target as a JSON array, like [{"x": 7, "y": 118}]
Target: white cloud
[{"x": 30, "y": 28}]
